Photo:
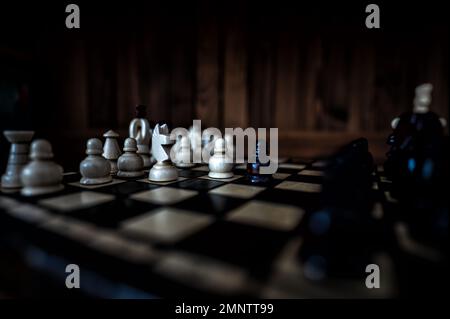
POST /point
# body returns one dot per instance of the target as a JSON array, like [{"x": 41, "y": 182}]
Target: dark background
[{"x": 312, "y": 70}]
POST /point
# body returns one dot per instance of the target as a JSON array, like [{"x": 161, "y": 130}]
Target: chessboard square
[
  {"x": 253, "y": 248},
  {"x": 127, "y": 188},
  {"x": 280, "y": 175},
  {"x": 113, "y": 182},
  {"x": 198, "y": 184},
  {"x": 237, "y": 190},
  {"x": 309, "y": 172},
  {"x": 292, "y": 166},
  {"x": 166, "y": 224},
  {"x": 76, "y": 201},
  {"x": 164, "y": 195},
  {"x": 189, "y": 173},
  {"x": 146, "y": 180},
  {"x": 269, "y": 215},
  {"x": 111, "y": 214},
  {"x": 71, "y": 177},
  {"x": 300, "y": 186},
  {"x": 211, "y": 204},
  {"x": 320, "y": 164}
]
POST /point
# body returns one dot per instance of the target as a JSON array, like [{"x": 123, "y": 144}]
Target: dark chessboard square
[
  {"x": 246, "y": 181},
  {"x": 189, "y": 173},
  {"x": 306, "y": 178},
  {"x": 71, "y": 177},
  {"x": 67, "y": 190},
  {"x": 247, "y": 246},
  {"x": 111, "y": 214},
  {"x": 127, "y": 188},
  {"x": 287, "y": 170},
  {"x": 307, "y": 201},
  {"x": 199, "y": 184},
  {"x": 211, "y": 203}
]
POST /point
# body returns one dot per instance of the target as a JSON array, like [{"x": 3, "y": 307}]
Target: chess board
[{"x": 196, "y": 236}]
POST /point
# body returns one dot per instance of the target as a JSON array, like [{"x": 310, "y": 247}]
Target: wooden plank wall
[{"x": 316, "y": 81}]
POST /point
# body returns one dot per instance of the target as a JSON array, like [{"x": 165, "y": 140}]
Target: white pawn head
[
  {"x": 41, "y": 149},
  {"x": 219, "y": 146},
  {"x": 422, "y": 100},
  {"x": 130, "y": 145},
  {"x": 94, "y": 147},
  {"x": 184, "y": 142}
]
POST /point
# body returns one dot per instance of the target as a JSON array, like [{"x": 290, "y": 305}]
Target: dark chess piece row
[
  {"x": 418, "y": 166},
  {"x": 340, "y": 237}
]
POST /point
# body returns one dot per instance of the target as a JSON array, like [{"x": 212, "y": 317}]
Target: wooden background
[{"x": 314, "y": 72}]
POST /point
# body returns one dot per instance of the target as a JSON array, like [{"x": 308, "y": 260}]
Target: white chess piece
[
  {"x": 219, "y": 167},
  {"x": 422, "y": 101},
  {"x": 41, "y": 175},
  {"x": 163, "y": 170},
  {"x": 140, "y": 130},
  {"x": 18, "y": 157},
  {"x": 130, "y": 164},
  {"x": 95, "y": 169},
  {"x": 183, "y": 154},
  {"x": 111, "y": 150}
]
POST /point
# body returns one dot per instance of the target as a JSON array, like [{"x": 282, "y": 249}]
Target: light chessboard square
[
  {"x": 291, "y": 166},
  {"x": 235, "y": 177},
  {"x": 320, "y": 164},
  {"x": 269, "y": 215},
  {"x": 202, "y": 272},
  {"x": 164, "y": 195},
  {"x": 280, "y": 175},
  {"x": 146, "y": 180},
  {"x": 76, "y": 201},
  {"x": 113, "y": 182},
  {"x": 166, "y": 224},
  {"x": 236, "y": 190},
  {"x": 308, "y": 172},
  {"x": 300, "y": 186}
]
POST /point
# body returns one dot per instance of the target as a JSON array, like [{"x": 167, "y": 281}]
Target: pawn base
[
  {"x": 163, "y": 172},
  {"x": 41, "y": 190},
  {"x": 10, "y": 181},
  {"x": 184, "y": 165},
  {"x": 96, "y": 181},
  {"x": 220, "y": 175}
]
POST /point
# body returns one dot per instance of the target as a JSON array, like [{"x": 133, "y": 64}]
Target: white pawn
[
  {"x": 183, "y": 155},
  {"x": 163, "y": 170},
  {"x": 95, "y": 169},
  {"x": 129, "y": 163},
  {"x": 41, "y": 175},
  {"x": 219, "y": 166},
  {"x": 111, "y": 150}
]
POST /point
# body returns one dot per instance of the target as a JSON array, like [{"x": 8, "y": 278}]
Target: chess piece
[
  {"x": 41, "y": 175},
  {"x": 416, "y": 143},
  {"x": 140, "y": 130},
  {"x": 111, "y": 150},
  {"x": 219, "y": 167},
  {"x": 95, "y": 169},
  {"x": 253, "y": 169},
  {"x": 163, "y": 170},
  {"x": 130, "y": 164},
  {"x": 183, "y": 154},
  {"x": 18, "y": 157}
]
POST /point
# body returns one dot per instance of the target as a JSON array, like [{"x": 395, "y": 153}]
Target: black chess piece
[
  {"x": 339, "y": 238},
  {"x": 254, "y": 174},
  {"x": 417, "y": 165}
]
